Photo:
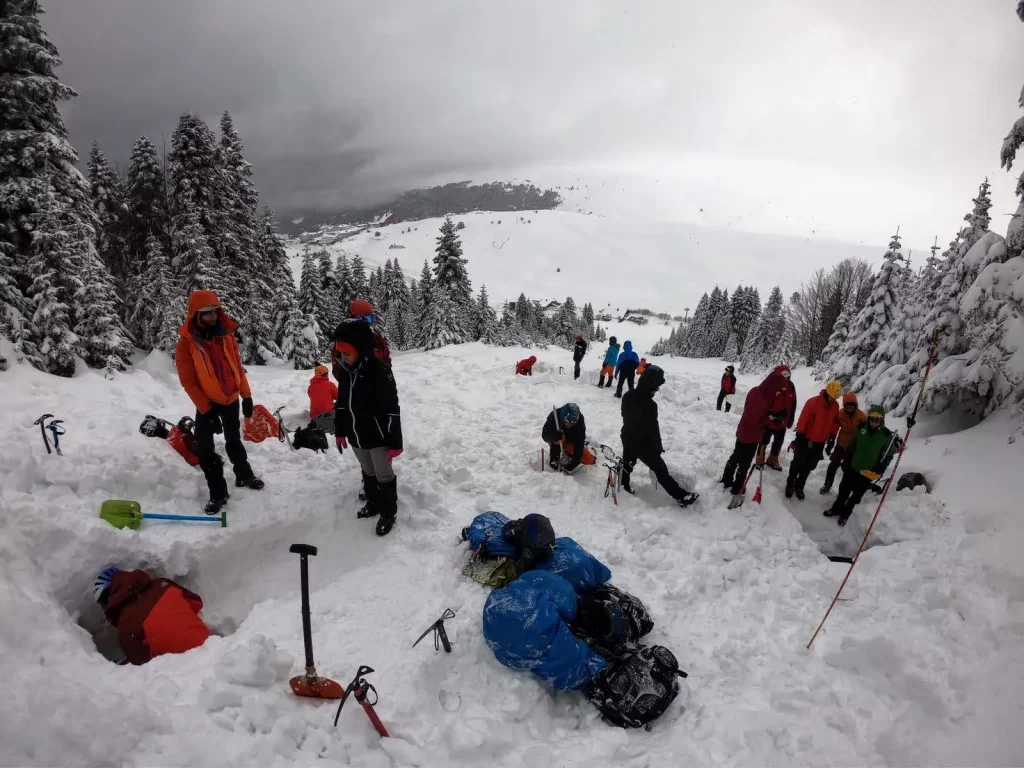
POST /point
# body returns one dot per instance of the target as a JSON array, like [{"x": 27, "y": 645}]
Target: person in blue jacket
[
  {"x": 625, "y": 369},
  {"x": 611, "y": 357},
  {"x": 526, "y": 627}
]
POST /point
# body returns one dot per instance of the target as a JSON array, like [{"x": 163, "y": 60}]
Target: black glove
[
  {"x": 247, "y": 407},
  {"x": 830, "y": 444},
  {"x": 911, "y": 421}
]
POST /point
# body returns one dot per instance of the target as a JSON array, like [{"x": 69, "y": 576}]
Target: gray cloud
[{"x": 342, "y": 101}]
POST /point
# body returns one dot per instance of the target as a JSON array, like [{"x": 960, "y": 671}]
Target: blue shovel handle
[{"x": 194, "y": 518}]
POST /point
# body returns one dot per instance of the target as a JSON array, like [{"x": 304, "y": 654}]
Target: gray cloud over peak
[{"x": 343, "y": 101}]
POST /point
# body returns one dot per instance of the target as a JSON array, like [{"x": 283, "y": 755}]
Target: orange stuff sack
[
  {"x": 183, "y": 441},
  {"x": 261, "y": 426}
]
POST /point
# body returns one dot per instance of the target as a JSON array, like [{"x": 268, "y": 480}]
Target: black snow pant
[
  {"x": 805, "y": 459},
  {"x": 738, "y": 465},
  {"x": 776, "y": 438},
  {"x": 576, "y": 369},
  {"x": 209, "y": 461},
  {"x": 838, "y": 454},
  {"x": 653, "y": 460},
  {"x": 623, "y": 378},
  {"x": 721, "y": 399},
  {"x": 851, "y": 491}
]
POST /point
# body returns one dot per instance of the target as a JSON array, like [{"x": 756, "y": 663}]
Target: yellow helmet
[{"x": 834, "y": 390}]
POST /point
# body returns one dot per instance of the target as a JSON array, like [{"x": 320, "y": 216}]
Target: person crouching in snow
[
  {"x": 728, "y": 388},
  {"x": 850, "y": 418},
  {"x": 565, "y": 429},
  {"x": 641, "y": 436},
  {"x": 749, "y": 431},
  {"x": 626, "y": 367},
  {"x": 361, "y": 309},
  {"x": 611, "y": 357},
  {"x": 152, "y": 616},
  {"x": 525, "y": 367},
  {"x": 322, "y": 394},
  {"x": 210, "y": 369},
  {"x": 367, "y": 415},
  {"x": 818, "y": 425},
  {"x": 780, "y": 418},
  {"x": 867, "y": 456}
]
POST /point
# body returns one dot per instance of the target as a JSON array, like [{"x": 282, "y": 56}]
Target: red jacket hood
[
  {"x": 200, "y": 299},
  {"x": 773, "y": 383}
]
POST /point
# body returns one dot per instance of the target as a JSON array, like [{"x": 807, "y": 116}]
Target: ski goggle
[
  {"x": 850, "y": 407},
  {"x": 368, "y": 319},
  {"x": 875, "y": 419}
]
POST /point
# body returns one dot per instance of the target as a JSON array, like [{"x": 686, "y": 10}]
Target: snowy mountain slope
[
  {"x": 922, "y": 664},
  {"x": 663, "y": 266}
]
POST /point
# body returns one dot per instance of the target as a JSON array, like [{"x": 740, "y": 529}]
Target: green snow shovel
[{"x": 121, "y": 513}]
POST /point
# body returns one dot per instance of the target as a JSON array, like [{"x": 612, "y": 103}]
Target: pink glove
[
  {"x": 394, "y": 453},
  {"x": 342, "y": 443}
]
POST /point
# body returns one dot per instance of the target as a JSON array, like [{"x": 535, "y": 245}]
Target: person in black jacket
[
  {"x": 579, "y": 349},
  {"x": 366, "y": 414},
  {"x": 565, "y": 428},
  {"x": 641, "y": 436}
]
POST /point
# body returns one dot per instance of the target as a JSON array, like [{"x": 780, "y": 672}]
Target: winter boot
[
  {"x": 687, "y": 499},
  {"x": 759, "y": 459},
  {"x": 600, "y": 383},
  {"x": 773, "y": 462},
  {"x": 388, "y": 498},
  {"x": 831, "y": 511},
  {"x": 789, "y": 489},
  {"x": 736, "y": 501},
  {"x": 372, "y": 492},
  {"x": 843, "y": 518},
  {"x": 799, "y": 493},
  {"x": 252, "y": 482},
  {"x": 825, "y": 489},
  {"x": 214, "y": 506}
]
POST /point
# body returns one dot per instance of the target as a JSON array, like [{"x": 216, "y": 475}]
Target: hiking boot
[
  {"x": 789, "y": 489},
  {"x": 600, "y": 383},
  {"x": 843, "y": 518},
  {"x": 830, "y": 512},
  {"x": 252, "y": 482},
  {"x": 628, "y": 489},
  {"x": 825, "y": 489},
  {"x": 214, "y": 506},
  {"x": 384, "y": 526},
  {"x": 618, "y": 394},
  {"x": 371, "y": 492},
  {"x": 553, "y": 465},
  {"x": 736, "y": 501},
  {"x": 688, "y": 499},
  {"x": 773, "y": 462},
  {"x": 800, "y": 493},
  {"x": 387, "y": 497}
]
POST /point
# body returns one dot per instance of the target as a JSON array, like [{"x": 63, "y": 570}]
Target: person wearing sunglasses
[{"x": 868, "y": 455}]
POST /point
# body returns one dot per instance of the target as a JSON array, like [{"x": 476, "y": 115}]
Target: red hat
[{"x": 360, "y": 308}]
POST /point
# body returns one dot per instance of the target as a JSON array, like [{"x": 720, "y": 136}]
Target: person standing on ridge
[
  {"x": 611, "y": 357},
  {"x": 850, "y": 418},
  {"x": 780, "y": 419},
  {"x": 626, "y": 367},
  {"x": 367, "y": 414},
  {"x": 641, "y": 436},
  {"x": 818, "y": 425},
  {"x": 210, "y": 369},
  {"x": 748, "y": 432},
  {"x": 728, "y": 388},
  {"x": 579, "y": 349},
  {"x": 868, "y": 455}
]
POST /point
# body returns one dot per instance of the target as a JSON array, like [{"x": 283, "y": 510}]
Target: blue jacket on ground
[
  {"x": 525, "y": 627},
  {"x": 628, "y": 360},
  {"x": 612, "y": 355},
  {"x": 574, "y": 564},
  {"x": 485, "y": 535}
]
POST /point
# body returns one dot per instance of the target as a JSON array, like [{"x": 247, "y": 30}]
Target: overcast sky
[{"x": 857, "y": 114}]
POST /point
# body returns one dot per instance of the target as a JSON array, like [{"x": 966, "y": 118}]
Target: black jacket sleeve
[
  {"x": 655, "y": 428},
  {"x": 551, "y": 433},
  {"x": 389, "y": 417},
  {"x": 342, "y": 415}
]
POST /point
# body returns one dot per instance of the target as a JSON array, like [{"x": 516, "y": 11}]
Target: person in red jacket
[
  {"x": 780, "y": 418},
  {"x": 361, "y": 309},
  {"x": 728, "y": 388},
  {"x": 152, "y": 616},
  {"x": 322, "y": 394},
  {"x": 525, "y": 367},
  {"x": 748, "y": 433},
  {"x": 819, "y": 423}
]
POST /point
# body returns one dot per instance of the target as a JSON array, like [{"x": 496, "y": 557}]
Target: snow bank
[{"x": 922, "y": 662}]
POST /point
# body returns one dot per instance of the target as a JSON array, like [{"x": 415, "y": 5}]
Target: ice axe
[
  {"x": 310, "y": 685},
  {"x": 440, "y": 636},
  {"x": 361, "y": 689},
  {"x": 56, "y": 429}
]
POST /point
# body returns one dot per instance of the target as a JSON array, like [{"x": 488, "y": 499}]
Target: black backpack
[
  {"x": 636, "y": 690},
  {"x": 611, "y": 621},
  {"x": 310, "y": 437}
]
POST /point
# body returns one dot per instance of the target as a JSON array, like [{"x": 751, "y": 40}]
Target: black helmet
[
  {"x": 613, "y": 340},
  {"x": 533, "y": 537}
]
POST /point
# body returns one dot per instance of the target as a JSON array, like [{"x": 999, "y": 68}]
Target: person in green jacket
[{"x": 868, "y": 454}]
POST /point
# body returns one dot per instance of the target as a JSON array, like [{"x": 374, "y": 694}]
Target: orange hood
[{"x": 197, "y": 301}]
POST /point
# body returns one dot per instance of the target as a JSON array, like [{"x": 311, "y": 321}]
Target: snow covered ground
[
  {"x": 921, "y": 663},
  {"x": 607, "y": 260}
]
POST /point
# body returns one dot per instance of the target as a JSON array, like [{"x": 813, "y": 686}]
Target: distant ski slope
[{"x": 607, "y": 260}]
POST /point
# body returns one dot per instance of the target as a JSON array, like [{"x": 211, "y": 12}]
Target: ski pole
[{"x": 885, "y": 491}]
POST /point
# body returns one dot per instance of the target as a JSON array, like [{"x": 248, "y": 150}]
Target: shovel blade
[
  {"x": 121, "y": 513},
  {"x": 757, "y": 495},
  {"x": 313, "y": 687}
]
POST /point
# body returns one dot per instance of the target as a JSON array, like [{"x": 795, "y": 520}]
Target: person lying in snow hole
[{"x": 152, "y": 616}]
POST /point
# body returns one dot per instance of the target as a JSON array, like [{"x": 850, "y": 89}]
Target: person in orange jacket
[
  {"x": 210, "y": 369},
  {"x": 818, "y": 425},
  {"x": 152, "y": 616},
  {"x": 642, "y": 367},
  {"x": 525, "y": 367},
  {"x": 322, "y": 394},
  {"x": 850, "y": 418}
]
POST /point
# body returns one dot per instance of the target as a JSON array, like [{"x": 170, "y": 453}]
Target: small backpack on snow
[
  {"x": 638, "y": 689},
  {"x": 181, "y": 437},
  {"x": 311, "y": 437},
  {"x": 611, "y": 621}
]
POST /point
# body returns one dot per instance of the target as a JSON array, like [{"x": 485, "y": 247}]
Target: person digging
[
  {"x": 868, "y": 455},
  {"x": 565, "y": 432},
  {"x": 210, "y": 369}
]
